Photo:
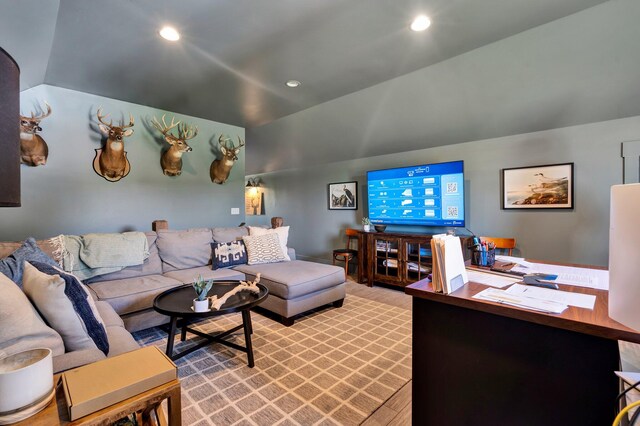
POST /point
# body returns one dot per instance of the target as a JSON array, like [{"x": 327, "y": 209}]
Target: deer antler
[
  {"x": 223, "y": 141},
  {"x": 100, "y": 117},
  {"x": 241, "y": 142},
  {"x": 164, "y": 127},
  {"x": 186, "y": 132},
  {"x": 122, "y": 125}
]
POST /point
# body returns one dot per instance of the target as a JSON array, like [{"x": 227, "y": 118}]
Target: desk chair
[
  {"x": 347, "y": 254},
  {"x": 507, "y": 244}
]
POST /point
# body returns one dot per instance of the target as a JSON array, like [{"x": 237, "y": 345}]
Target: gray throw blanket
[{"x": 91, "y": 255}]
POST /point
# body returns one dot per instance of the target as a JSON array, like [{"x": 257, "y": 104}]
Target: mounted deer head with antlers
[
  {"x": 171, "y": 160},
  {"x": 220, "y": 169},
  {"x": 111, "y": 161},
  {"x": 33, "y": 149}
]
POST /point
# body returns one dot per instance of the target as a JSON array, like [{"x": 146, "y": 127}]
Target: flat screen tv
[{"x": 427, "y": 195}]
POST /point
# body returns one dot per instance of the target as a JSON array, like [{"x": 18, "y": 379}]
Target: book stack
[{"x": 449, "y": 273}]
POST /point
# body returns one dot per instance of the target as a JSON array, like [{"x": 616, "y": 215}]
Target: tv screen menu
[{"x": 431, "y": 195}]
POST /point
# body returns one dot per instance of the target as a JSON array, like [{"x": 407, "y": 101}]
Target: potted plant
[
  {"x": 366, "y": 224},
  {"x": 202, "y": 287}
]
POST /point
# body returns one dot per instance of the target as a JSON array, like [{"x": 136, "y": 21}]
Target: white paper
[
  {"x": 501, "y": 296},
  {"x": 579, "y": 300},
  {"x": 492, "y": 280},
  {"x": 581, "y": 277},
  {"x": 518, "y": 260}
]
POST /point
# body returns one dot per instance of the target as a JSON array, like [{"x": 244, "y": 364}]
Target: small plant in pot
[
  {"x": 202, "y": 287},
  {"x": 366, "y": 224}
]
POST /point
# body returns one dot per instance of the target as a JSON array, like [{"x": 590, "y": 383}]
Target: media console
[{"x": 395, "y": 258}]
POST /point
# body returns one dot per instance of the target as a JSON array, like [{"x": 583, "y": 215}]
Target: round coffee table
[{"x": 177, "y": 303}]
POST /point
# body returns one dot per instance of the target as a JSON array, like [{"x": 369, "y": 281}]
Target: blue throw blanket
[{"x": 91, "y": 255}]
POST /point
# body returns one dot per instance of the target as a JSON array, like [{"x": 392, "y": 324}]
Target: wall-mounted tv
[{"x": 427, "y": 195}]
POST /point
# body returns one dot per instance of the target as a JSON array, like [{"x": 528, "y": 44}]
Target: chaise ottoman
[{"x": 298, "y": 286}]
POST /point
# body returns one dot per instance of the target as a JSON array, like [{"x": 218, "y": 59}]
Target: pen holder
[{"x": 483, "y": 257}]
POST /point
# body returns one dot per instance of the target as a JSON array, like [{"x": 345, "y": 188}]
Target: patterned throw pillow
[
  {"x": 283, "y": 236},
  {"x": 66, "y": 306},
  {"x": 228, "y": 254},
  {"x": 263, "y": 249},
  {"x": 13, "y": 265}
]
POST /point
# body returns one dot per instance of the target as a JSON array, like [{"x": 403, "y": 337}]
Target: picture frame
[
  {"x": 547, "y": 187},
  {"x": 342, "y": 195}
]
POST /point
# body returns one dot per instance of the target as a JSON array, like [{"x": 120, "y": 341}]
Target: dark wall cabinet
[{"x": 9, "y": 131}]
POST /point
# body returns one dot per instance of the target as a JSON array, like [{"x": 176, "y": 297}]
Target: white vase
[
  {"x": 367, "y": 228},
  {"x": 25, "y": 378},
  {"x": 200, "y": 305}
]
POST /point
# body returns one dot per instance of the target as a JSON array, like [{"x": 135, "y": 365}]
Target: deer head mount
[
  {"x": 33, "y": 149},
  {"x": 220, "y": 168},
  {"x": 111, "y": 161},
  {"x": 171, "y": 160}
]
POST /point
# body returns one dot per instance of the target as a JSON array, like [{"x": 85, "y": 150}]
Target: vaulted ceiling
[{"x": 235, "y": 56}]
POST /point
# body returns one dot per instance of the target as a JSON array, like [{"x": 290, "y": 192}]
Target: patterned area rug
[{"x": 332, "y": 367}]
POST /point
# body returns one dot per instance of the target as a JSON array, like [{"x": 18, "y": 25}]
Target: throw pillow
[
  {"x": 263, "y": 249},
  {"x": 228, "y": 254},
  {"x": 13, "y": 265},
  {"x": 281, "y": 231},
  {"x": 22, "y": 328},
  {"x": 66, "y": 305}
]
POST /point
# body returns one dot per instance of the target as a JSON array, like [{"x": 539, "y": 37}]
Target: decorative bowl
[{"x": 380, "y": 228}]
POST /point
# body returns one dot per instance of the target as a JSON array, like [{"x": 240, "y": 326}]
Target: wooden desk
[
  {"x": 144, "y": 404},
  {"x": 479, "y": 362}
]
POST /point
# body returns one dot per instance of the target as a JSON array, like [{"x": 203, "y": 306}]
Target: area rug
[{"x": 332, "y": 367}]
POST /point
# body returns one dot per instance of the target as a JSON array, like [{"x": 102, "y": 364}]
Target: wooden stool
[{"x": 346, "y": 254}]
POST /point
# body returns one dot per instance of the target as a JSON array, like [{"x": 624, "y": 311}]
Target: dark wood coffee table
[{"x": 177, "y": 304}]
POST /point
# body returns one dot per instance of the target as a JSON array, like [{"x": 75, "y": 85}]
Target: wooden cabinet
[{"x": 395, "y": 258}]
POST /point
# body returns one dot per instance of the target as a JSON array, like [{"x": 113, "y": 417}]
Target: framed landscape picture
[
  {"x": 538, "y": 187},
  {"x": 343, "y": 196}
]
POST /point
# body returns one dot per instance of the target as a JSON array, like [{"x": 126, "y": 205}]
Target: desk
[{"x": 479, "y": 362}]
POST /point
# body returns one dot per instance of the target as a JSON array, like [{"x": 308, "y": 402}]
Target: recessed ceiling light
[
  {"x": 169, "y": 33},
  {"x": 293, "y": 83},
  {"x": 420, "y": 23}
]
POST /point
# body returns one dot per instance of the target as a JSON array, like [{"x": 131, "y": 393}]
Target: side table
[{"x": 146, "y": 405}]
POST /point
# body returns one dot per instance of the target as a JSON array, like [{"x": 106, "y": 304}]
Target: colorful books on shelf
[{"x": 449, "y": 273}]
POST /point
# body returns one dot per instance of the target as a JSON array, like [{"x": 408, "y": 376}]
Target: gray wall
[
  {"x": 579, "y": 235},
  {"x": 67, "y": 196},
  {"x": 580, "y": 69}
]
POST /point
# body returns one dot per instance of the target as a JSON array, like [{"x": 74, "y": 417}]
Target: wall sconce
[{"x": 254, "y": 198}]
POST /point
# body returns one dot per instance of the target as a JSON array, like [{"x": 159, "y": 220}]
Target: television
[{"x": 427, "y": 195}]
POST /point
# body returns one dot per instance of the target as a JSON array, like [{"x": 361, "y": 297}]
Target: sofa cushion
[
  {"x": 21, "y": 327},
  {"x": 12, "y": 266},
  {"x": 66, "y": 306},
  {"x": 187, "y": 276},
  {"x": 152, "y": 265},
  {"x": 184, "y": 249},
  {"x": 228, "y": 254},
  {"x": 281, "y": 231},
  {"x": 120, "y": 341},
  {"x": 289, "y": 280},
  {"x": 132, "y": 294},
  {"x": 225, "y": 235},
  {"x": 263, "y": 249},
  {"x": 108, "y": 315}
]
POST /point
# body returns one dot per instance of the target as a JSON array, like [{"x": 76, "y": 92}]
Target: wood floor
[{"x": 397, "y": 410}]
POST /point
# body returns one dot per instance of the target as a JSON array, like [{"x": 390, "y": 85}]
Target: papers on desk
[
  {"x": 581, "y": 277},
  {"x": 502, "y": 296},
  {"x": 579, "y": 300},
  {"x": 492, "y": 280},
  {"x": 449, "y": 273}
]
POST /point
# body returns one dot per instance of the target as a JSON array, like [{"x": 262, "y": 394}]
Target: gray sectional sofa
[{"x": 125, "y": 298}]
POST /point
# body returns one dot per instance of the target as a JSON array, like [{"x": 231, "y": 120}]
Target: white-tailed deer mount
[
  {"x": 111, "y": 161},
  {"x": 220, "y": 169},
  {"x": 171, "y": 160},
  {"x": 33, "y": 149}
]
